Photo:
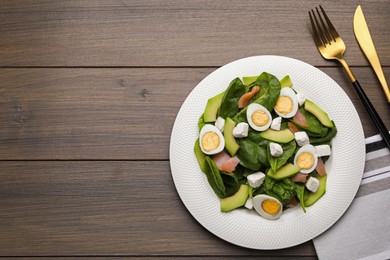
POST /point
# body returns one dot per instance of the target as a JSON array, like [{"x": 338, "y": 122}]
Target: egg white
[
  {"x": 211, "y": 128},
  {"x": 258, "y": 200},
  {"x": 291, "y": 94},
  {"x": 310, "y": 149},
  {"x": 250, "y": 110}
]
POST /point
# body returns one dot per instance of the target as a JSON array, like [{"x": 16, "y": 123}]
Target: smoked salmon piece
[
  {"x": 226, "y": 163},
  {"x": 220, "y": 158},
  {"x": 230, "y": 165},
  {"x": 292, "y": 127},
  {"x": 300, "y": 119},
  {"x": 320, "y": 168},
  {"x": 244, "y": 99},
  {"x": 300, "y": 177}
]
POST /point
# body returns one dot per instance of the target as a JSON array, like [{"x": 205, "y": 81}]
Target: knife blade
[{"x": 364, "y": 39}]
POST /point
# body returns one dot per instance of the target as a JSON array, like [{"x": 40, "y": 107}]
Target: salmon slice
[
  {"x": 300, "y": 119},
  {"x": 292, "y": 203},
  {"x": 320, "y": 168},
  {"x": 221, "y": 158},
  {"x": 230, "y": 165},
  {"x": 244, "y": 99},
  {"x": 292, "y": 127},
  {"x": 300, "y": 177}
]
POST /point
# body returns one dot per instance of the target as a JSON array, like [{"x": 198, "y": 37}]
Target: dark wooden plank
[
  {"x": 114, "y": 113},
  {"x": 174, "y": 33},
  {"x": 103, "y": 208},
  {"x": 162, "y": 257}
]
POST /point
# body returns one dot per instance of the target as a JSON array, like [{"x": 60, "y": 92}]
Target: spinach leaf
[
  {"x": 288, "y": 151},
  {"x": 331, "y": 133},
  {"x": 267, "y": 96},
  {"x": 283, "y": 190},
  {"x": 223, "y": 184},
  {"x": 255, "y": 137},
  {"x": 269, "y": 90},
  {"x": 300, "y": 190},
  {"x": 201, "y": 122},
  {"x": 251, "y": 155},
  {"x": 241, "y": 173},
  {"x": 229, "y": 105},
  {"x": 214, "y": 178},
  {"x": 314, "y": 126},
  {"x": 231, "y": 183}
]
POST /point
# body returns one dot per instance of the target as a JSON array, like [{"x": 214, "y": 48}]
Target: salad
[{"x": 263, "y": 145}]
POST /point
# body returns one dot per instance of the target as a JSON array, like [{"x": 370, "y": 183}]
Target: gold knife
[{"x": 364, "y": 39}]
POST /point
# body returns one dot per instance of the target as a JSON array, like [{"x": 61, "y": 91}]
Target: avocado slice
[
  {"x": 249, "y": 80},
  {"x": 319, "y": 113},
  {"x": 286, "y": 82},
  {"x": 281, "y": 136},
  {"x": 200, "y": 156},
  {"x": 314, "y": 196},
  {"x": 212, "y": 106},
  {"x": 230, "y": 143},
  {"x": 287, "y": 170},
  {"x": 237, "y": 200}
]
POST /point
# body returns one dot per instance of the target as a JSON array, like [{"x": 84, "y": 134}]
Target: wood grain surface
[
  {"x": 89, "y": 92},
  {"x": 175, "y": 33},
  {"x": 114, "y": 114}
]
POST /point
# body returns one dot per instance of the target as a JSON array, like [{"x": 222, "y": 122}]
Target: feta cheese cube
[
  {"x": 275, "y": 149},
  {"x": 276, "y": 122},
  {"x": 220, "y": 124},
  {"x": 249, "y": 203},
  {"x": 255, "y": 179},
  {"x": 241, "y": 130},
  {"x": 322, "y": 150},
  {"x": 312, "y": 184},
  {"x": 302, "y": 138},
  {"x": 301, "y": 98}
]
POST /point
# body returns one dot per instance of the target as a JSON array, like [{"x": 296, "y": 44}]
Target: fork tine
[
  {"x": 320, "y": 31},
  {"x": 330, "y": 25},
  {"x": 316, "y": 37},
  {"x": 326, "y": 32}
]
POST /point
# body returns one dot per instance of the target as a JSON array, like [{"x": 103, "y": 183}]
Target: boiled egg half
[
  {"x": 268, "y": 207},
  {"x": 258, "y": 117},
  {"x": 306, "y": 158},
  {"x": 287, "y": 103},
  {"x": 211, "y": 140}
]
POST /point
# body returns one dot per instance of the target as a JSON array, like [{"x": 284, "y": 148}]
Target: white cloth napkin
[{"x": 363, "y": 232}]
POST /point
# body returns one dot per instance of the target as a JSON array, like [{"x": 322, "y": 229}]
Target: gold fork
[{"x": 332, "y": 47}]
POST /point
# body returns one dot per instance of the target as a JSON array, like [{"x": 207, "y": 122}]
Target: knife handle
[{"x": 372, "y": 112}]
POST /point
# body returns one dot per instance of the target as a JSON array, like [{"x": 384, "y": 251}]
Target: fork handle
[{"x": 372, "y": 112}]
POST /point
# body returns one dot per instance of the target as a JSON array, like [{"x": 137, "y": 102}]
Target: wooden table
[{"x": 89, "y": 91}]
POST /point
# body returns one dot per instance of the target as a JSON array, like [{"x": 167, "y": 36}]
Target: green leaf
[
  {"x": 229, "y": 105},
  {"x": 231, "y": 183},
  {"x": 267, "y": 96},
  {"x": 313, "y": 127},
  {"x": 201, "y": 122},
  {"x": 223, "y": 184},
  {"x": 300, "y": 190},
  {"x": 327, "y": 138},
  {"x": 251, "y": 154},
  {"x": 214, "y": 178},
  {"x": 283, "y": 190},
  {"x": 288, "y": 151}
]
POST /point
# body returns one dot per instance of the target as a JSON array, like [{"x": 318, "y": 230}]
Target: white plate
[{"x": 243, "y": 227}]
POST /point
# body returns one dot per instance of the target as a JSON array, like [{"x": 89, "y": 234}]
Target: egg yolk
[
  {"x": 210, "y": 141},
  {"x": 284, "y": 105},
  {"x": 270, "y": 206},
  {"x": 305, "y": 160},
  {"x": 260, "y": 118}
]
